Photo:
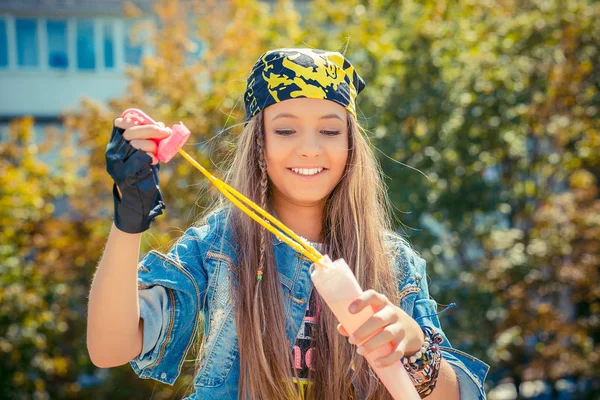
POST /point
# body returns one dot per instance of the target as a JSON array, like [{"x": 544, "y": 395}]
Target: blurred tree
[
  {"x": 44, "y": 270},
  {"x": 544, "y": 269},
  {"x": 498, "y": 103}
]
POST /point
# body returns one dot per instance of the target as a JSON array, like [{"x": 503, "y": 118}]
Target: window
[
  {"x": 133, "y": 47},
  {"x": 109, "y": 44},
  {"x": 3, "y": 45},
  {"x": 27, "y": 47},
  {"x": 57, "y": 44},
  {"x": 86, "y": 59},
  {"x": 89, "y": 44}
]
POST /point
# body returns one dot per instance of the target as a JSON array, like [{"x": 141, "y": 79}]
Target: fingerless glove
[{"x": 141, "y": 200}]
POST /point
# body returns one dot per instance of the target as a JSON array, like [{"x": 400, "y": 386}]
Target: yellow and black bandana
[{"x": 284, "y": 74}]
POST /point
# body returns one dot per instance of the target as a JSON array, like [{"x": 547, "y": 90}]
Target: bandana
[{"x": 284, "y": 74}]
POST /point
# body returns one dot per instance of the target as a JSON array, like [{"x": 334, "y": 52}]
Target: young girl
[{"x": 267, "y": 334}]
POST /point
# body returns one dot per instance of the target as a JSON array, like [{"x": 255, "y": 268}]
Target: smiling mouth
[{"x": 308, "y": 172}]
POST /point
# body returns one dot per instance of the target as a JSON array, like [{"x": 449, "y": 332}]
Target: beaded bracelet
[{"x": 424, "y": 366}]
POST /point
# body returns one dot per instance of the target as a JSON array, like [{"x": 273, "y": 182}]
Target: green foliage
[
  {"x": 43, "y": 279},
  {"x": 486, "y": 114},
  {"x": 497, "y": 103}
]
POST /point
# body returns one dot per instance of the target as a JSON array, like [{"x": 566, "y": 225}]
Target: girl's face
[{"x": 306, "y": 149}]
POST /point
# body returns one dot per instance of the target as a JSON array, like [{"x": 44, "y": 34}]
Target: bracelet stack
[{"x": 424, "y": 366}]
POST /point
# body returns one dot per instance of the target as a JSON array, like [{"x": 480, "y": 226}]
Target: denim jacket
[{"x": 194, "y": 278}]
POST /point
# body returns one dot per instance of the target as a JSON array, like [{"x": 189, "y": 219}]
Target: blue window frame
[
  {"x": 57, "y": 44},
  {"x": 133, "y": 51},
  {"x": 109, "y": 45},
  {"x": 3, "y": 45},
  {"x": 86, "y": 57},
  {"x": 27, "y": 45}
]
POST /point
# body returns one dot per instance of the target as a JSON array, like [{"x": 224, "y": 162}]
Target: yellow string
[
  {"x": 298, "y": 244},
  {"x": 302, "y": 385}
]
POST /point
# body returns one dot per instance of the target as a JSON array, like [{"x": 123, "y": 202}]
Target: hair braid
[{"x": 264, "y": 185}]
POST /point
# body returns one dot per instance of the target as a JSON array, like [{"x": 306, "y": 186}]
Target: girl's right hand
[
  {"x": 140, "y": 136},
  {"x": 131, "y": 162}
]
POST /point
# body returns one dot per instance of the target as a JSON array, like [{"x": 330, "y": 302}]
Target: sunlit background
[{"x": 484, "y": 114}]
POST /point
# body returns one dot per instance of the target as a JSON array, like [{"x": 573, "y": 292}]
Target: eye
[
  {"x": 331, "y": 133},
  {"x": 284, "y": 132}
]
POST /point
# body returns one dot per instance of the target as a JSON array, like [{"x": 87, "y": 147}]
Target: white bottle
[{"x": 337, "y": 285}]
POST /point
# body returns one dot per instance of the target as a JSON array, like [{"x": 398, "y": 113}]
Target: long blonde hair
[{"x": 355, "y": 219}]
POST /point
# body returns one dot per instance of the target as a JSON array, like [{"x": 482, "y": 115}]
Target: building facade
[{"x": 54, "y": 52}]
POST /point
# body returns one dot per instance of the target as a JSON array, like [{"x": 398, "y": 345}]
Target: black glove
[{"x": 137, "y": 179}]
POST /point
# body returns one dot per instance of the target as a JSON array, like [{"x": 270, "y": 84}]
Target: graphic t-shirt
[{"x": 303, "y": 353}]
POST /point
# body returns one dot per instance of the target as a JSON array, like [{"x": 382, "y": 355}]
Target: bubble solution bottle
[{"x": 337, "y": 285}]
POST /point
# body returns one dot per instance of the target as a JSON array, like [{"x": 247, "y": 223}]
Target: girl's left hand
[{"x": 397, "y": 328}]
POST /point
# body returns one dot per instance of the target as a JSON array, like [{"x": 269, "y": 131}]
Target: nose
[{"x": 309, "y": 146}]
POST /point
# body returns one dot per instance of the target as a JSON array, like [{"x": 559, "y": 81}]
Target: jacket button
[{"x": 163, "y": 375}]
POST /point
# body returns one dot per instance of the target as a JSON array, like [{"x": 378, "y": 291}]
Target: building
[{"x": 54, "y": 52}]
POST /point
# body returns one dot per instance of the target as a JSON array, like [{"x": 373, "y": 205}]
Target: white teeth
[{"x": 307, "y": 171}]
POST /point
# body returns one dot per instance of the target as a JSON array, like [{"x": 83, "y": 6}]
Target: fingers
[
  {"x": 135, "y": 131},
  {"x": 392, "y": 358},
  {"x": 139, "y": 135},
  {"x": 146, "y": 132},
  {"x": 123, "y": 124},
  {"x": 149, "y": 146},
  {"x": 126, "y": 123},
  {"x": 376, "y": 322},
  {"x": 369, "y": 297},
  {"x": 154, "y": 159},
  {"x": 342, "y": 330},
  {"x": 391, "y": 333}
]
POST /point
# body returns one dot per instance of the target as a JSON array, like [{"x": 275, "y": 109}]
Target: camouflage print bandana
[{"x": 284, "y": 74}]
